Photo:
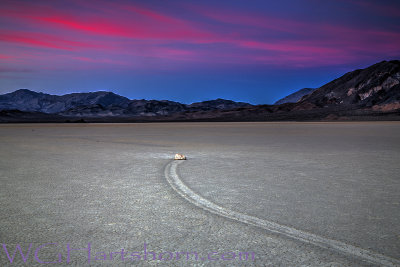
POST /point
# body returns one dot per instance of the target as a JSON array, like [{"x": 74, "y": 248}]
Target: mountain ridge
[
  {"x": 372, "y": 93},
  {"x": 103, "y": 103},
  {"x": 296, "y": 96}
]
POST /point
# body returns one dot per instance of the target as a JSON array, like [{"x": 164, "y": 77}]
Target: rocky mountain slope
[
  {"x": 376, "y": 87},
  {"x": 372, "y": 93},
  {"x": 294, "y": 97}
]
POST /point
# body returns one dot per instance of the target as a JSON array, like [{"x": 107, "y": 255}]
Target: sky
[{"x": 253, "y": 51}]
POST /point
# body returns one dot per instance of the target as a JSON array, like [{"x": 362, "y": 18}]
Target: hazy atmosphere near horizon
[{"x": 187, "y": 51}]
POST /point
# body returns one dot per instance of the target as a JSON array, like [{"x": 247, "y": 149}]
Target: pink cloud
[
  {"x": 131, "y": 21},
  {"x": 34, "y": 39},
  {"x": 295, "y": 46},
  {"x": 251, "y": 20},
  {"x": 100, "y": 60},
  {"x": 119, "y": 29},
  {"x": 2, "y": 56},
  {"x": 156, "y": 26},
  {"x": 29, "y": 41}
]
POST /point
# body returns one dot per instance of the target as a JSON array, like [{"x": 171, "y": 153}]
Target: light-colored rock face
[
  {"x": 391, "y": 81},
  {"x": 180, "y": 157},
  {"x": 370, "y": 92},
  {"x": 351, "y": 91},
  {"x": 387, "y": 84},
  {"x": 358, "y": 88}
]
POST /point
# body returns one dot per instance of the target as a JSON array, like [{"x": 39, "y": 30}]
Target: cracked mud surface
[{"x": 104, "y": 184}]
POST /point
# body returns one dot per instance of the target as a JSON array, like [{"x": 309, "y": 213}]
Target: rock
[{"x": 179, "y": 157}]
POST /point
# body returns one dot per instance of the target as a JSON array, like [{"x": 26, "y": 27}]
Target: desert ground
[{"x": 320, "y": 194}]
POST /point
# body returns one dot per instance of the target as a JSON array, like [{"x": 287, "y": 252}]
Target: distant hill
[
  {"x": 294, "y": 97},
  {"x": 26, "y": 100},
  {"x": 217, "y": 104},
  {"x": 103, "y": 104}
]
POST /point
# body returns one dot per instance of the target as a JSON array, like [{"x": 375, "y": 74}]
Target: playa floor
[{"x": 105, "y": 185}]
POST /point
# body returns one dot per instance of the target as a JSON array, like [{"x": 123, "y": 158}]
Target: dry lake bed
[{"x": 249, "y": 194}]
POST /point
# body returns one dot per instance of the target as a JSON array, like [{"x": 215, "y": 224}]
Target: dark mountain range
[
  {"x": 26, "y": 100},
  {"x": 372, "y": 93},
  {"x": 103, "y": 104},
  {"x": 294, "y": 97},
  {"x": 217, "y": 104},
  {"x": 132, "y": 108}
]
